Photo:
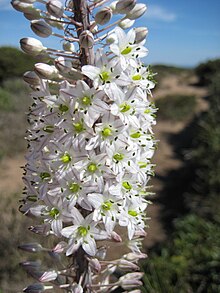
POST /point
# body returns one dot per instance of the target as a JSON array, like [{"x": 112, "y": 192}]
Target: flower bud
[
  {"x": 111, "y": 38},
  {"x": 126, "y": 23},
  {"x": 55, "y": 8},
  {"x": 116, "y": 237},
  {"x": 69, "y": 47},
  {"x": 62, "y": 64},
  {"x": 131, "y": 256},
  {"x": 127, "y": 265},
  {"x": 86, "y": 39},
  {"x": 36, "y": 288},
  {"x": 41, "y": 28},
  {"x": 137, "y": 11},
  {"x": 40, "y": 229},
  {"x": 93, "y": 27},
  {"x": 125, "y": 6},
  {"x": 131, "y": 280},
  {"x": 21, "y": 6},
  {"x": 60, "y": 247},
  {"x": 48, "y": 72},
  {"x": 103, "y": 16},
  {"x": 72, "y": 74},
  {"x": 141, "y": 34},
  {"x": 30, "y": 266},
  {"x": 31, "y": 78},
  {"x": 48, "y": 276},
  {"x": 54, "y": 23},
  {"x": 43, "y": 57},
  {"x": 31, "y": 247},
  {"x": 32, "y": 14},
  {"x": 29, "y": 1},
  {"x": 101, "y": 253},
  {"x": 77, "y": 288},
  {"x": 113, "y": 7},
  {"x": 31, "y": 46},
  {"x": 95, "y": 265}
]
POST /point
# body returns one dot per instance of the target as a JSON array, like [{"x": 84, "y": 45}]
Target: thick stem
[
  {"x": 86, "y": 56},
  {"x": 81, "y": 15}
]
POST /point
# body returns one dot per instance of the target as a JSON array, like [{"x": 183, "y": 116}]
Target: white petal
[
  {"x": 56, "y": 226},
  {"x": 90, "y": 246},
  {"x": 91, "y": 71}
]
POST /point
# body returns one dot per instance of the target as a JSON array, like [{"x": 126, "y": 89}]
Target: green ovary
[
  {"x": 118, "y": 157},
  {"x": 106, "y": 206},
  {"x": 74, "y": 187},
  {"x": 124, "y": 107},
  {"x": 136, "y": 77},
  {"x": 127, "y": 185},
  {"x": 92, "y": 167},
  {"x": 63, "y": 108},
  {"x": 104, "y": 76},
  {"x": 132, "y": 213},
  {"x": 126, "y": 51},
  {"x": 86, "y": 101},
  {"x": 54, "y": 213},
  {"x": 106, "y": 132},
  {"x": 66, "y": 158},
  {"x": 44, "y": 175},
  {"x": 48, "y": 128},
  {"x": 135, "y": 135},
  {"x": 78, "y": 127},
  {"x": 83, "y": 231}
]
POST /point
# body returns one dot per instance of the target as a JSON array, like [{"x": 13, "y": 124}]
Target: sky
[{"x": 181, "y": 33}]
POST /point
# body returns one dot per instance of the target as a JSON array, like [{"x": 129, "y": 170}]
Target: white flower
[
  {"x": 126, "y": 48},
  {"x": 84, "y": 233}
]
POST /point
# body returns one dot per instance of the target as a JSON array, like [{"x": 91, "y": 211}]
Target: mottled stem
[{"x": 81, "y": 16}]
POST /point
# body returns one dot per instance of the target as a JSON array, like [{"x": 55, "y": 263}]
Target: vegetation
[
  {"x": 190, "y": 260},
  {"x": 13, "y": 63},
  {"x": 207, "y": 70},
  {"x": 176, "y": 107}
]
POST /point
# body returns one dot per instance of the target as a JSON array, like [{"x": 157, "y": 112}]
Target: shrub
[
  {"x": 207, "y": 70},
  {"x": 176, "y": 107}
]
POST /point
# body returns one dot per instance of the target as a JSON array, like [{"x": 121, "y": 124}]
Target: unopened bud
[
  {"x": 21, "y": 6},
  {"x": 127, "y": 265},
  {"x": 36, "y": 288},
  {"x": 111, "y": 38},
  {"x": 60, "y": 247},
  {"x": 86, "y": 39},
  {"x": 40, "y": 229},
  {"x": 31, "y": 265},
  {"x": 46, "y": 71},
  {"x": 133, "y": 291},
  {"x": 140, "y": 233},
  {"x": 113, "y": 7},
  {"x": 141, "y": 34},
  {"x": 29, "y": 1},
  {"x": 131, "y": 280},
  {"x": 31, "y": 247},
  {"x": 55, "y": 8},
  {"x": 116, "y": 237},
  {"x": 131, "y": 256},
  {"x": 69, "y": 47},
  {"x": 41, "y": 28},
  {"x": 93, "y": 27},
  {"x": 63, "y": 65},
  {"x": 101, "y": 253},
  {"x": 126, "y": 23},
  {"x": 137, "y": 11},
  {"x": 32, "y": 14},
  {"x": 31, "y": 46},
  {"x": 125, "y": 6},
  {"x": 95, "y": 265},
  {"x": 43, "y": 57},
  {"x": 48, "y": 276},
  {"x": 103, "y": 16},
  {"x": 31, "y": 78},
  {"x": 54, "y": 23},
  {"x": 77, "y": 288}
]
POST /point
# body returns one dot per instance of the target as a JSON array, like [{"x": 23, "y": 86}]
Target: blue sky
[{"x": 182, "y": 33}]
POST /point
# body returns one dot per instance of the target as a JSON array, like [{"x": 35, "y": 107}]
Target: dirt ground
[{"x": 11, "y": 172}]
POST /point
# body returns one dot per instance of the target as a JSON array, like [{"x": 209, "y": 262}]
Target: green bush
[
  {"x": 176, "y": 107},
  {"x": 206, "y": 71},
  {"x": 13, "y": 63},
  {"x": 190, "y": 262},
  {"x": 5, "y": 100}
]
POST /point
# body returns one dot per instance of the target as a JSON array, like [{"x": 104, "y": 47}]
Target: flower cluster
[{"x": 90, "y": 141}]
